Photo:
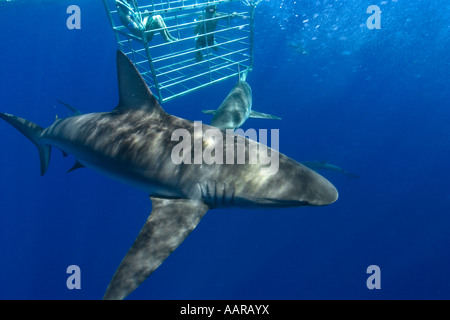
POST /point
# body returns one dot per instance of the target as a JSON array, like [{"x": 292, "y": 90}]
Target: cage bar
[{"x": 171, "y": 69}]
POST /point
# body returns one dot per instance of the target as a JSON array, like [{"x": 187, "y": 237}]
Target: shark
[
  {"x": 133, "y": 144},
  {"x": 323, "y": 165},
  {"x": 237, "y": 107}
]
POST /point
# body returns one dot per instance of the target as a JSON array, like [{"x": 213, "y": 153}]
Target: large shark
[
  {"x": 133, "y": 143},
  {"x": 237, "y": 107}
]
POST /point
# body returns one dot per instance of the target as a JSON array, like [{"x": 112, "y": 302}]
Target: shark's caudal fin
[
  {"x": 169, "y": 224},
  {"x": 33, "y": 132},
  {"x": 260, "y": 115}
]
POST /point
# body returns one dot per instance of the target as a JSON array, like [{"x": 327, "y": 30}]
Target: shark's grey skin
[
  {"x": 133, "y": 144},
  {"x": 323, "y": 165},
  {"x": 236, "y": 108}
]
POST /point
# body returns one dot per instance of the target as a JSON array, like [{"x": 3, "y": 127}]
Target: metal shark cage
[{"x": 171, "y": 69}]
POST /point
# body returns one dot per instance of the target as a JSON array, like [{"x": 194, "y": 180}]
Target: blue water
[{"x": 375, "y": 102}]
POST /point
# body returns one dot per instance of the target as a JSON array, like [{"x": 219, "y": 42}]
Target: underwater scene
[{"x": 306, "y": 142}]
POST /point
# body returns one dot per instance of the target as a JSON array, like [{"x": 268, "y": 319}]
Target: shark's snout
[
  {"x": 315, "y": 190},
  {"x": 326, "y": 194}
]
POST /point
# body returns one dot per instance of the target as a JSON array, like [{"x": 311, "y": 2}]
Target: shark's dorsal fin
[
  {"x": 133, "y": 91},
  {"x": 169, "y": 224}
]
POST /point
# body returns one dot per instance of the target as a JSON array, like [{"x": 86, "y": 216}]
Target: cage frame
[{"x": 171, "y": 80}]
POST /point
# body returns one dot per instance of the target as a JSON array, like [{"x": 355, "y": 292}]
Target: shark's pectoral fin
[
  {"x": 168, "y": 225},
  {"x": 209, "y": 111},
  {"x": 260, "y": 115}
]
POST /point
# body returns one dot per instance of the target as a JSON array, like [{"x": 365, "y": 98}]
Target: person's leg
[
  {"x": 215, "y": 45},
  {"x": 199, "y": 44},
  {"x": 146, "y": 21},
  {"x": 212, "y": 42},
  {"x": 157, "y": 22}
]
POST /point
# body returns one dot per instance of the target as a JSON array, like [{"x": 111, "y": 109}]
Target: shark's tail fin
[{"x": 33, "y": 132}]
